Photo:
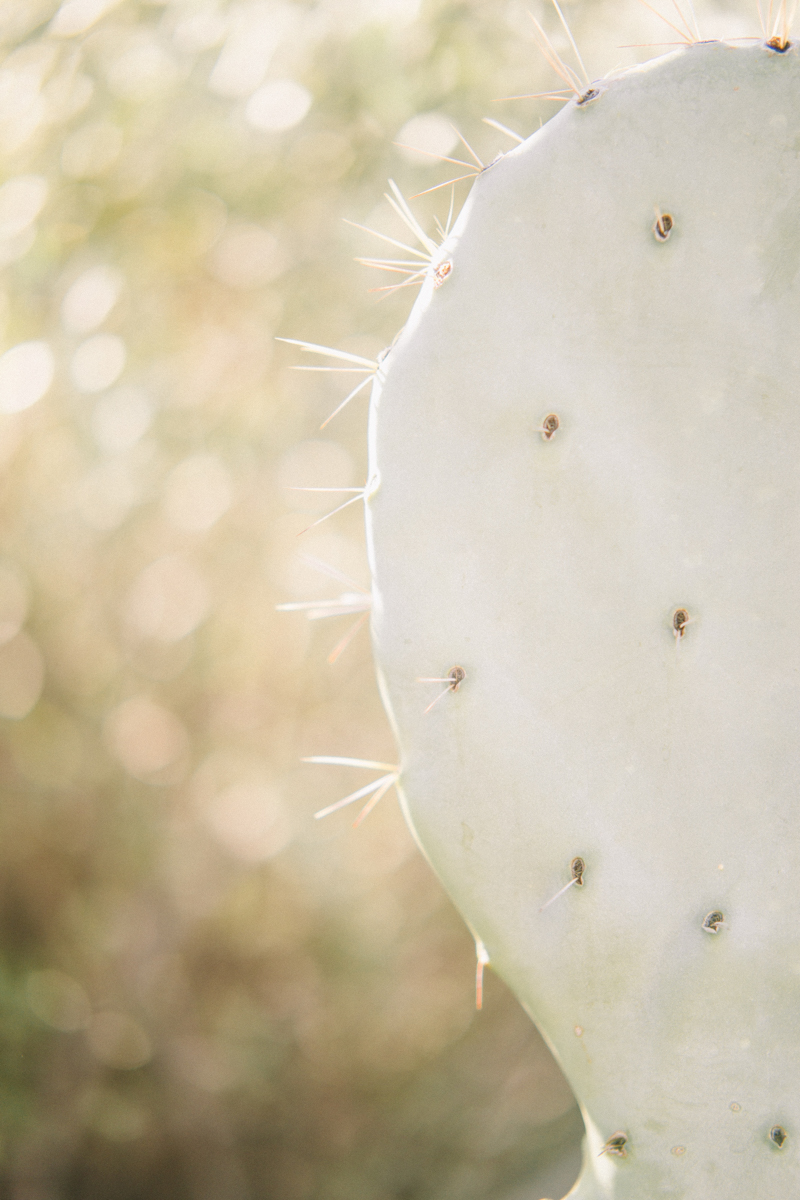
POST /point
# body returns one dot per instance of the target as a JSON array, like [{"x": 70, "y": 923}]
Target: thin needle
[
  {"x": 469, "y": 148},
  {"x": 390, "y": 264},
  {"x": 695, "y": 21},
  {"x": 368, "y": 371},
  {"x": 368, "y": 807},
  {"x": 341, "y": 646},
  {"x": 481, "y": 960},
  {"x": 503, "y": 129},
  {"x": 552, "y": 56},
  {"x": 572, "y": 42},
  {"x": 565, "y": 888},
  {"x": 367, "y": 790},
  {"x": 562, "y": 95},
  {"x": 450, "y": 213},
  {"x": 682, "y": 18},
  {"x": 336, "y": 760},
  {"x": 436, "y": 701},
  {"x": 326, "y": 569},
  {"x": 400, "y": 205},
  {"x": 342, "y": 606},
  {"x": 397, "y": 270},
  {"x": 432, "y": 154},
  {"x": 334, "y": 511},
  {"x": 577, "y": 868},
  {"x": 314, "y": 348},
  {"x": 661, "y": 17},
  {"x": 347, "y": 399},
  {"x": 390, "y": 289},
  {"x": 447, "y": 182},
  {"x": 696, "y": 32},
  {"x": 385, "y": 238},
  {"x": 454, "y": 678}
]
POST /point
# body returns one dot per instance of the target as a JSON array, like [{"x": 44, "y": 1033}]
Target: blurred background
[{"x": 204, "y": 993}]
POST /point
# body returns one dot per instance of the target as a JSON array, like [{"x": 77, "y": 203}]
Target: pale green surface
[{"x": 550, "y": 570}]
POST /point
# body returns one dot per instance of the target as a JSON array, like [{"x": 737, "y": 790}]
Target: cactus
[{"x": 582, "y": 516}]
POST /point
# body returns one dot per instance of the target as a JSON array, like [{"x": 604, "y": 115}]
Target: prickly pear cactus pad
[{"x": 584, "y": 523}]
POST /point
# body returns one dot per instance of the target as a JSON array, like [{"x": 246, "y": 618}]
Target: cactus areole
[{"x": 584, "y": 520}]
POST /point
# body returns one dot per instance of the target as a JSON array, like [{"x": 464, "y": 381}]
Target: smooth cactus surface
[{"x": 584, "y": 520}]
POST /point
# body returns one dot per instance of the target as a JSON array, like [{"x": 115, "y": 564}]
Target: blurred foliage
[{"x": 204, "y": 994}]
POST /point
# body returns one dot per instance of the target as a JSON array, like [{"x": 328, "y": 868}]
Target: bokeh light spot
[
  {"x": 91, "y": 150},
  {"x": 238, "y": 803},
  {"x": 249, "y": 820},
  {"x": 200, "y": 31},
  {"x": 57, "y": 1000},
  {"x": 98, "y": 362},
  {"x": 116, "y": 1040},
  {"x": 168, "y": 600},
  {"x": 90, "y": 299},
  {"x": 13, "y": 601},
  {"x": 21, "y": 201},
  {"x": 49, "y": 750},
  {"x": 22, "y": 107},
  {"x": 203, "y": 1063},
  {"x": 121, "y": 418},
  {"x": 21, "y": 676},
  {"x": 247, "y": 256},
  {"x": 26, "y": 372},
  {"x": 256, "y": 32},
  {"x": 76, "y": 16},
  {"x": 145, "y": 737},
  {"x": 278, "y": 105},
  {"x": 142, "y": 71},
  {"x": 429, "y": 132},
  {"x": 107, "y": 494},
  {"x": 314, "y": 463},
  {"x": 197, "y": 493},
  {"x": 118, "y": 1118},
  {"x": 323, "y": 155}
]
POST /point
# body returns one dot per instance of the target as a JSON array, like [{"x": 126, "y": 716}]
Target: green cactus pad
[{"x": 621, "y": 589}]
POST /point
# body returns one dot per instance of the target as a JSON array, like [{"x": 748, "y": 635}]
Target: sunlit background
[{"x": 205, "y": 994}]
